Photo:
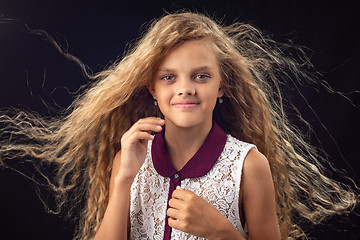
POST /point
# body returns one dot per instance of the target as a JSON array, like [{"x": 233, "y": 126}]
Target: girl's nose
[{"x": 185, "y": 87}]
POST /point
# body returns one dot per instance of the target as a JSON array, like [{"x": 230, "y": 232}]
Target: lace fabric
[{"x": 220, "y": 187}]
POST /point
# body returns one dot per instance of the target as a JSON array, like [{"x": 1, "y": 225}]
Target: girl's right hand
[
  {"x": 134, "y": 147},
  {"x": 126, "y": 164}
]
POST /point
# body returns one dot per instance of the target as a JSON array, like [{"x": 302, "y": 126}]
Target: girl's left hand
[{"x": 192, "y": 214}]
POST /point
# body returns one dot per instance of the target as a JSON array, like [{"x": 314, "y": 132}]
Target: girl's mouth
[{"x": 186, "y": 105}]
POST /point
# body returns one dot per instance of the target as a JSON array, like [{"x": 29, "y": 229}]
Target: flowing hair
[{"x": 81, "y": 143}]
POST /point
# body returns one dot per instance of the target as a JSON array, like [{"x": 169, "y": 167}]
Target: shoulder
[
  {"x": 256, "y": 175},
  {"x": 256, "y": 164}
]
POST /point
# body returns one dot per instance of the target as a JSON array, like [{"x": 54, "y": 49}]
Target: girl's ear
[
  {"x": 220, "y": 92},
  {"x": 151, "y": 89}
]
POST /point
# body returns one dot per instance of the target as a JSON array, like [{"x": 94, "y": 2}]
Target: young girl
[{"x": 185, "y": 138}]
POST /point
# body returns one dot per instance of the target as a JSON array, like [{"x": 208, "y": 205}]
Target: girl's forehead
[{"x": 196, "y": 52}]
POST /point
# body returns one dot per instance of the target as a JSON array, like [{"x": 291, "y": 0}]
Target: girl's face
[{"x": 187, "y": 85}]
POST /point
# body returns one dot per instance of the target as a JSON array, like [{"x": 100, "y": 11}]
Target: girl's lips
[{"x": 186, "y": 105}]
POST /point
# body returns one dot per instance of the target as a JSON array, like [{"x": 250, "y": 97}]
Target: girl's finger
[
  {"x": 174, "y": 223},
  {"x": 151, "y": 120},
  {"x": 182, "y": 194},
  {"x": 173, "y": 213},
  {"x": 143, "y": 136},
  {"x": 147, "y": 126},
  {"x": 175, "y": 203},
  {"x": 130, "y": 140}
]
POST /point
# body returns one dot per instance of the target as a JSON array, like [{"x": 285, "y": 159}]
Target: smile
[{"x": 186, "y": 105}]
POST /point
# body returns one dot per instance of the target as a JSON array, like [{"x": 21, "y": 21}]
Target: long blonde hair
[{"x": 83, "y": 141}]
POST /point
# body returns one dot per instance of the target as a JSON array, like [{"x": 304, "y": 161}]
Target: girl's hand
[
  {"x": 192, "y": 214},
  {"x": 134, "y": 147},
  {"x": 127, "y": 162}
]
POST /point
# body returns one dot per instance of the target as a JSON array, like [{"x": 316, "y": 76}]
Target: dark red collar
[{"x": 199, "y": 165}]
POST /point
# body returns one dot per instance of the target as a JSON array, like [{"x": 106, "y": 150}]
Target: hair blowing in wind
[{"x": 80, "y": 144}]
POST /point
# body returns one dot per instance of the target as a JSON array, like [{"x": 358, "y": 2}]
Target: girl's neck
[{"x": 183, "y": 143}]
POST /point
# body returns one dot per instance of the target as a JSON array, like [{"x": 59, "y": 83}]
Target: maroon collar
[{"x": 199, "y": 165}]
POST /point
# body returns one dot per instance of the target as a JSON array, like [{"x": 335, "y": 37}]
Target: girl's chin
[{"x": 187, "y": 123}]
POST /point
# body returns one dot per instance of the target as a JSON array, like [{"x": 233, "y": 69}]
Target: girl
[
  {"x": 224, "y": 163},
  {"x": 191, "y": 152}
]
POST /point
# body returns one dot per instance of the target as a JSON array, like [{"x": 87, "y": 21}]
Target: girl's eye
[
  {"x": 202, "y": 77},
  {"x": 167, "y": 78}
]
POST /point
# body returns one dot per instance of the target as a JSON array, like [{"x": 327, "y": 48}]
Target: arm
[
  {"x": 127, "y": 162},
  {"x": 115, "y": 223},
  {"x": 258, "y": 196}
]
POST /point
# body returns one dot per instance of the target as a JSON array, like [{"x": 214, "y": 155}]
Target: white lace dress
[{"x": 220, "y": 187}]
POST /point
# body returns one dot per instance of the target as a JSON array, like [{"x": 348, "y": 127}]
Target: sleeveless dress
[{"x": 214, "y": 174}]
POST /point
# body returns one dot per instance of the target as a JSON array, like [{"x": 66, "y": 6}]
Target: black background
[{"x": 32, "y": 71}]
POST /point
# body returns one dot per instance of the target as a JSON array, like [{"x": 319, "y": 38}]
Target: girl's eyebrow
[{"x": 202, "y": 68}]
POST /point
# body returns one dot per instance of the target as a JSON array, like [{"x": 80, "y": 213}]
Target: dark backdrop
[{"x": 32, "y": 72}]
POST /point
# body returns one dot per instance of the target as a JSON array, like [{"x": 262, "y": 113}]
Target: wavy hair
[{"x": 82, "y": 142}]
